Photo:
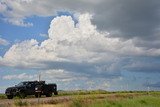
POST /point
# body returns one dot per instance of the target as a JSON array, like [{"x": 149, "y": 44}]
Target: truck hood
[{"x": 16, "y": 87}]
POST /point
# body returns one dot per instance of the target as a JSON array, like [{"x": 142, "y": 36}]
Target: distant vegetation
[
  {"x": 82, "y": 92},
  {"x": 3, "y": 96}
]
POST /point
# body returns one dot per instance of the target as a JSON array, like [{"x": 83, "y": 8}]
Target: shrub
[
  {"x": 20, "y": 103},
  {"x": 2, "y": 96}
]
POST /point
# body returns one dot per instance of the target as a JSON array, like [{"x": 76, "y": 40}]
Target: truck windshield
[{"x": 22, "y": 84}]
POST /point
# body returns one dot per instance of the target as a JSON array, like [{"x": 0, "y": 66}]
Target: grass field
[
  {"x": 3, "y": 96},
  {"x": 139, "y": 101},
  {"x": 99, "y": 98}
]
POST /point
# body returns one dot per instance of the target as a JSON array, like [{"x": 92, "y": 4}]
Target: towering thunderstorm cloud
[{"x": 76, "y": 49}]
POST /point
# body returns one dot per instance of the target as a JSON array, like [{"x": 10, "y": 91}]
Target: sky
[{"x": 81, "y": 44}]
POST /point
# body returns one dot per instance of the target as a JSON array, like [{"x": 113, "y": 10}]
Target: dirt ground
[{"x": 10, "y": 102}]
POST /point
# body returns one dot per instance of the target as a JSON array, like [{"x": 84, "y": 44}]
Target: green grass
[
  {"x": 113, "y": 100},
  {"x": 86, "y": 92},
  {"x": 138, "y": 101},
  {"x": 3, "y": 96},
  {"x": 82, "y": 92},
  {"x": 20, "y": 103},
  {"x": 143, "y": 101}
]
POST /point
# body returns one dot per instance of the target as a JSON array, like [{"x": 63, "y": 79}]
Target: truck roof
[{"x": 35, "y": 81}]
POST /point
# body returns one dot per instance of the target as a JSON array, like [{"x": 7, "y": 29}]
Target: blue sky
[{"x": 111, "y": 45}]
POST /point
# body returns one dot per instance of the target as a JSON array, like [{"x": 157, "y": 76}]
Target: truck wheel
[
  {"x": 9, "y": 96},
  {"x": 38, "y": 95},
  {"x": 49, "y": 94},
  {"x": 56, "y": 93}
]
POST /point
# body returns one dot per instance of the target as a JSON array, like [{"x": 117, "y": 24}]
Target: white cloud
[
  {"x": 22, "y": 76},
  {"x": 79, "y": 48},
  {"x": 43, "y": 35},
  {"x": 82, "y": 48},
  {"x": 18, "y": 22},
  {"x": 59, "y": 75},
  {"x": 117, "y": 17},
  {"x": 16, "y": 11},
  {"x": 3, "y": 42},
  {"x": 3, "y": 7},
  {"x": 65, "y": 80}
]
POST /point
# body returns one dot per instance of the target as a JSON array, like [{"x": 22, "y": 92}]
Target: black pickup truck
[{"x": 36, "y": 88}]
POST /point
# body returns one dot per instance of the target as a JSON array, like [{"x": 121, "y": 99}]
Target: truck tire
[
  {"x": 9, "y": 96},
  {"x": 49, "y": 94},
  {"x": 56, "y": 93}
]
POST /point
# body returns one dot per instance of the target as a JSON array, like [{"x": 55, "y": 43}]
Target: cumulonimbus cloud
[{"x": 76, "y": 47}]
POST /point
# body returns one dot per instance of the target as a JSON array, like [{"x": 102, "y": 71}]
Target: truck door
[{"x": 31, "y": 88}]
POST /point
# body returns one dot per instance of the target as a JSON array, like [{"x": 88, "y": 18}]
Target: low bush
[{"x": 20, "y": 103}]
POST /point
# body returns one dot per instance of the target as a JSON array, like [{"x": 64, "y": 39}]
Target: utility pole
[
  {"x": 39, "y": 77},
  {"x": 148, "y": 89},
  {"x": 127, "y": 87}
]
